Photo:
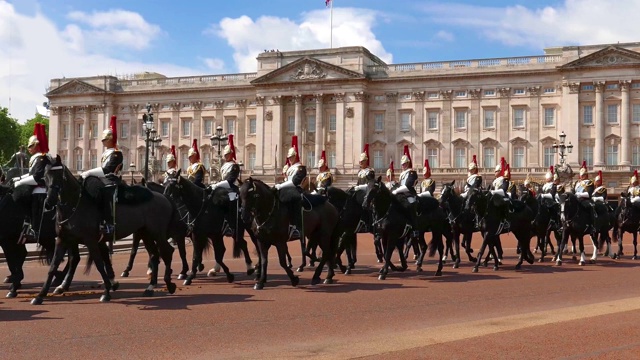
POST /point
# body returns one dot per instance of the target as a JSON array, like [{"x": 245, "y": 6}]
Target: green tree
[
  {"x": 26, "y": 130},
  {"x": 9, "y": 135}
]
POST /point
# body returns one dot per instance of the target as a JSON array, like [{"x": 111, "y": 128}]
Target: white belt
[
  {"x": 583, "y": 195},
  {"x": 39, "y": 190},
  {"x": 599, "y": 199},
  {"x": 547, "y": 196}
]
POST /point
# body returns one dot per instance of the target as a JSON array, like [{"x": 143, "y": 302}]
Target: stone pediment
[
  {"x": 460, "y": 142},
  {"x": 607, "y": 57},
  {"x": 75, "y": 87},
  {"x": 307, "y": 69}
]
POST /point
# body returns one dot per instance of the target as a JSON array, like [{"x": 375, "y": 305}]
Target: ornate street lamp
[
  {"x": 132, "y": 169},
  {"x": 561, "y": 149},
  {"x": 151, "y": 138},
  {"x": 218, "y": 141}
]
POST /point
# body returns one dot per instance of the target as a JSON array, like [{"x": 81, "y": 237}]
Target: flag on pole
[{"x": 327, "y": 3}]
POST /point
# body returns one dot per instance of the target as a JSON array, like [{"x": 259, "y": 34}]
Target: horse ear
[
  {"x": 58, "y": 160},
  {"x": 379, "y": 179},
  {"x": 178, "y": 173},
  {"x": 453, "y": 182}
]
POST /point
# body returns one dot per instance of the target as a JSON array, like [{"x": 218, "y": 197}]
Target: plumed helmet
[
  {"x": 549, "y": 175},
  {"x": 323, "y": 159},
  {"x": 390, "y": 171},
  {"x": 293, "y": 150},
  {"x": 286, "y": 167},
  {"x": 33, "y": 140},
  {"x": 507, "y": 172},
  {"x": 406, "y": 157},
  {"x": 583, "y": 169},
  {"x": 598, "y": 179},
  {"x": 230, "y": 148},
  {"x": 500, "y": 167},
  {"x": 194, "y": 150},
  {"x": 427, "y": 169},
  {"x": 527, "y": 180},
  {"x": 556, "y": 177},
  {"x": 473, "y": 165},
  {"x": 364, "y": 156},
  {"x": 172, "y": 155},
  {"x": 43, "y": 139},
  {"x": 112, "y": 132},
  {"x": 634, "y": 178}
]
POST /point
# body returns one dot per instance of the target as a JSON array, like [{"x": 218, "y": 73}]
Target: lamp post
[
  {"x": 561, "y": 149},
  {"x": 132, "y": 169},
  {"x": 151, "y": 138},
  {"x": 218, "y": 141}
]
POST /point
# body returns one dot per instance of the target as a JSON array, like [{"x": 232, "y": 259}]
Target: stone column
[
  {"x": 261, "y": 126},
  {"x": 475, "y": 117},
  {"x": 599, "y": 147},
  {"x": 86, "y": 152},
  {"x": 504, "y": 127},
  {"x": 447, "y": 127},
  {"x": 240, "y": 131},
  {"x": 54, "y": 130},
  {"x": 625, "y": 128},
  {"x": 569, "y": 119},
  {"x": 340, "y": 132},
  {"x": 297, "y": 99},
  {"x": 71, "y": 156},
  {"x": 276, "y": 132},
  {"x": 533, "y": 126},
  {"x": 357, "y": 115},
  {"x": 319, "y": 127},
  {"x": 419, "y": 124},
  {"x": 391, "y": 128}
]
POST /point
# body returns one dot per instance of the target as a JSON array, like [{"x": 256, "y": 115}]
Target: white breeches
[
  {"x": 499, "y": 192},
  {"x": 582, "y": 195},
  {"x": 425, "y": 194},
  {"x": 285, "y": 184},
  {"x": 547, "y": 196},
  {"x": 598, "y": 199},
  {"x": 360, "y": 187}
]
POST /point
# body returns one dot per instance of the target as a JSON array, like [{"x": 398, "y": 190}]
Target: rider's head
[
  {"x": 229, "y": 151},
  {"x": 322, "y": 163},
  {"x": 34, "y": 145},
  {"x": 473, "y": 166},
  {"x": 549, "y": 175},
  {"x": 598, "y": 180},
  {"x": 584, "y": 172},
  {"x": 292, "y": 155},
  {"x": 634, "y": 179}
]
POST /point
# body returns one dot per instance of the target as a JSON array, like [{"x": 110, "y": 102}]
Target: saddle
[
  {"x": 133, "y": 195},
  {"x": 427, "y": 204},
  {"x": 518, "y": 205},
  {"x": 311, "y": 200}
]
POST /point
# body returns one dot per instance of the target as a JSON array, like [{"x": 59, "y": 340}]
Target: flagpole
[{"x": 331, "y": 23}]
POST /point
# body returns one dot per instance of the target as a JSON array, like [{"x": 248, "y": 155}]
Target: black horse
[
  {"x": 488, "y": 208},
  {"x": 78, "y": 217},
  {"x": 461, "y": 220},
  {"x": 575, "y": 220},
  {"x": 627, "y": 220},
  {"x": 545, "y": 222},
  {"x": 261, "y": 208}
]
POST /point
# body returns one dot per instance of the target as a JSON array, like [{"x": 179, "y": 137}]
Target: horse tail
[
  {"x": 435, "y": 243},
  {"x": 89, "y": 264},
  {"x": 239, "y": 236}
]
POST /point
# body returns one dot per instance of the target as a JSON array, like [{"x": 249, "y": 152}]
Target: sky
[{"x": 41, "y": 40}]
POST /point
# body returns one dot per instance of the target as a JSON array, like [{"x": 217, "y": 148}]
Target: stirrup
[
  {"x": 226, "y": 229},
  {"x": 107, "y": 229},
  {"x": 294, "y": 233}
]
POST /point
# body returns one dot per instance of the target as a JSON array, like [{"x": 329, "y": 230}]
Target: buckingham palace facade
[{"x": 339, "y": 99}]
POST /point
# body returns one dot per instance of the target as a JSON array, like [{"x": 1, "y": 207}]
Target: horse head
[
  {"x": 478, "y": 200},
  {"x": 54, "y": 178},
  {"x": 374, "y": 188},
  {"x": 255, "y": 196},
  {"x": 568, "y": 205}
]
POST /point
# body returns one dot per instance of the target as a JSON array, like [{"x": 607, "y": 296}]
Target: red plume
[
  {"x": 635, "y": 173},
  {"x": 391, "y": 166},
  {"x": 113, "y": 125},
  {"x": 43, "y": 139},
  {"x": 232, "y": 146},
  {"x": 551, "y": 169},
  {"x": 323, "y": 157},
  {"x": 474, "y": 160},
  {"x": 173, "y": 151},
  {"x": 294, "y": 145},
  {"x": 427, "y": 169},
  {"x": 584, "y": 164},
  {"x": 195, "y": 149},
  {"x": 366, "y": 151}
]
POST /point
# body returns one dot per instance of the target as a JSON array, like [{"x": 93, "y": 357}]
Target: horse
[
  {"x": 207, "y": 212},
  {"x": 261, "y": 208},
  {"x": 149, "y": 220},
  {"x": 543, "y": 223},
  {"x": 461, "y": 221},
  {"x": 178, "y": 232},
  {"x": 487, "y": 207},
  {"x": 575, "y": 224},
  {"x": 627, "y": 220}
]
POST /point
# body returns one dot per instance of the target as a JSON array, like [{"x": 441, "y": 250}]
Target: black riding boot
[
  {"x": 295, "y": 213},
  {"x": 107, "y": 227},
  {"x": 507, "y": 208}
]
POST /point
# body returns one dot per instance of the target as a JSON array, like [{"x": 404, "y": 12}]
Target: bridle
[
  {"x": 252, "y": 209},
  {"x": 175, "y": 182},
  {"x": 57, "y": 190}
]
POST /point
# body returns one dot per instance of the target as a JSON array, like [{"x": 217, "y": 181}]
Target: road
[{"x": 542, "y": 311}]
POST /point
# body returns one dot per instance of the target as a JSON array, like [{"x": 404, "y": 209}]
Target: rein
[
  {"x": 253, "y": 209},
  {"x": 61, "y": 203}
]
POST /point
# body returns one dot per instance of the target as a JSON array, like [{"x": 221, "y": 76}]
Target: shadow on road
[
  {"x": 178, "y": 302},
  {"x": 24, "y": 315}
]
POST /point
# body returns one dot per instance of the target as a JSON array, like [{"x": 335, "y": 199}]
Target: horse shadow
[
  {"x": 454, "y": 277},
  {"x": 24, "y": 315},
  {"x": 348, "y": 287},
  {"x": 184, "y": 302}
]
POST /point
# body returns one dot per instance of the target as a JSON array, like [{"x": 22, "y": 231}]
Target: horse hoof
[
  {"x": 621, "y": 253},
  {"x": 582, "y": 263},
  {"x": 148, "y": 293},
  {"x": 456, "y": 265},
  {"x": 541, "y": 260},
  {"x": 36, "y": 301},
  {"x": 12, "y": 294},
  {"x": 258, "y": 286},
  {"x": 187, "y": 282},
  {"x": 171, "y": 288},
  {"x": 295, "y": 281},
  {"x": 200, "y": 267},
  {"x": 419, "y": 269},
  {"x": 518, "y": 266},
  {"x": 347, "y": 272},
  {"x": 59, "y": 290},
  {"x": 475, "y": 269},
  {"x": 8, "y": 280},
  {"x": 559, "y": 263},
  {"x": 634, "y": 257},
  {"x": 592, "y": 261},
  {"x": 485, "y": 264},
  {"x": 343, "y": 269},
  {"x": 500, "y": 261},
  {"x": 495, "y": 268},
  {"x": 105, "y": 298},
  {"x": 328, "y": 281},
  {"x": 115, "y": 286},
  {"x": 315, "y": 281},
  {"x": 473, "y": 260},
  {"x": 230, "y": 278},
  {"x": 300, "y": 269},
  {"x": 212, "y": 273},
  {"x": 379, "y": 261},
  {"x": 250, "y": 272},
  {"x": 382, "y": 277},
  {"x": 312, "y": 264},
  {"x": 574, "y": 258},
  {"x": 415, "y": 257},
  {"x": 124, "y": 274},
  {"x": 182, "y": 276},
  {"x": 535, "y": 251},
  {"x": 438, "y": 273}
]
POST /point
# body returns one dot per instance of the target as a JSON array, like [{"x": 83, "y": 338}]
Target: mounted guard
[
  {"x": 407, "y": 181},
  {"x": 474, "y": 180},
  {"x": 290, "y": 192},
  {"x": 111, "y": 164},
  {"x": 172, "y": 166},
  {"x": 366, "y": 173},
  {"x": 528, "y": 184},
  {"x": 230, "y": 170},
  {"x": 195, "y": 172},
  {"x": 427, "y": 186},
  {"x": 30, "y": 189},
  {"x": 583, "y": 188},
  {"x": 634, "y": 190},
  {"x": 18, "y": 161},
  {"x": 391, "y": 182},
  {"x": 500, "y": 186},
  {"x": 600, "y": 191},
  {"x": 324, "y": 178}
]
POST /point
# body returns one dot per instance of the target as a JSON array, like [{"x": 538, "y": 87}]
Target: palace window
[
  {"x": 587, "y": 115},
  {"x": 207, "y": 127},
  {"x": 587, "y": 154},
  {"x": 461, "y": 94},
  {"x": 94, "y": 130},
  {"x": 65, "y": 131},
  {"x": 489, "y": 93},
  {"x": 518, "y": 156},
  {"x": 460, "y": 158},
  {"x": 94, "y": 160},
  {"x": 612, "y": 155},
  {"x": 433, "y": 95},
  {"x": 79, "y": 160},
  {"x": 378, "y": 159},
  {"x": 124, "y": 131},
  {"x": 253, "y": 124},
  {"x": 549, "y": 90},
  {"x": 432, "y": 120},
  {"x": 489, "y": 157},
  {"x": 432, "y": 156},
  {"x": 612, "y": 86},
  {"x": 489, "y": 119},
  {"x": 311, "y": 158},
  {"x": 185, "y": 160},
  {"x": 587, "y": 87},
  {"x": 548, "y": 156},
  {"x": 518, "y": 92},
  {"x": 206, "y": 159},
  {"x": 332, "y": 122},
  {"x": 291, "y": 124},
  {"x": 186, "y": 128},
  {"x": 251, "y": 160},
  {"x": 549, "y": 116},
  {"x": 311, "y": 123},
  {"x": 405, "y": 121},
  {"x": 164, "y": 129},
  {"x": 635, "y": 155},
  {"x": 231, "y": 125},
  {"x": 79, "y": 130},
  {"x": 612, "y": 113},
  {"x": 635, "y": 112},
  {"x": 164, "y": 162},
  {"x": 378, "y": 120},
  {"x": 518, "y": 118},
  {"x": 461, "y": 119},
  {"x": 331, "y": 159}
]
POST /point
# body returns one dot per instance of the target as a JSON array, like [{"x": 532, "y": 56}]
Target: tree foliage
[{"x": 10, "y": 131}]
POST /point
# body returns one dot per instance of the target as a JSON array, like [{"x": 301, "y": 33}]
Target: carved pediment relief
[
  {"x": 548, "y": 140},
  {"x": 378, "y": 144},
  {"x": 609, "y": 56},
  {"x": 519, "y": 141},
  {"x": 307, "y": 69},
  {"x": 433, "y": 143},
  {"x": 489, "y": 142},
  {"x": 75, "y": 87},
  {"x": 460, "y": 142}
]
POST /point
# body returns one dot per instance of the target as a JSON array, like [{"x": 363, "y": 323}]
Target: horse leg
[
  {"x": 282, "y": 251},
  {"x": 244, "y": 246},
  {"x": 583, "y": 260},
  {"x": 199, "y": 242},
  {"x": 466, "y": 243},
  {"x": 388, "y": 250},
  {"x": 58, "y": 255},
  {"x": 499, "y": 250},
  {"x": 98, "y": 255},
  {"x": 73, "y": 261},
  {"x": 219, "y": 250},
  {"x": 180, "y": 240},
  {"x": 594, "y": 242},
  {"x": 166, "y": 254},
  {"x": 492, "y": 250},
  {"x": 303, "y": 248},
  {"x": 563, "y": 244},
  {"x": 422, "y": 246},
  {"x": 132, "y": 257},
  {"x": 403, "y": 260},
  {"x": 481, "y": 252},
  {"x": 408, "y": 245},
  {"x": 154, "y": 261},
  {"x": 264, "y": 260},
  {"x": 16, "y": 255},
  {"x": 440, "y": 246},
  {"x": 377, "y": 243},
  {"x": 635, "y": 246}
]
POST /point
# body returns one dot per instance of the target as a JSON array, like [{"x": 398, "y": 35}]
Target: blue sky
[{"x": 40, "y": 40}]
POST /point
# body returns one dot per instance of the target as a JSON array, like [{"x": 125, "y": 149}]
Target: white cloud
[
  {"x": 214, "y": 64},
  {"x": 444, "y": 36},
  {"x": 570, "y": 22},
  {"x": 33, "y": 51},
  {"x": 248, "y": 37}
]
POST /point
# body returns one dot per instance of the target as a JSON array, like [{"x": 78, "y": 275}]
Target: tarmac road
[{"x": 542, "y": 311}]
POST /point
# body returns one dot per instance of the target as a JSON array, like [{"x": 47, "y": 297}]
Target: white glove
[
  {"x": 360, "y": 187},
  {"x": 93, "y": 172},
  {"x": 29, "y": 180},
  {"x": 285, "y": 184},
  {"x": 15, "y": 179}
]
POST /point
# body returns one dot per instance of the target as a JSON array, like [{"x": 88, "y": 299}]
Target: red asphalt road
[{"x": 543, "y": 311}]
